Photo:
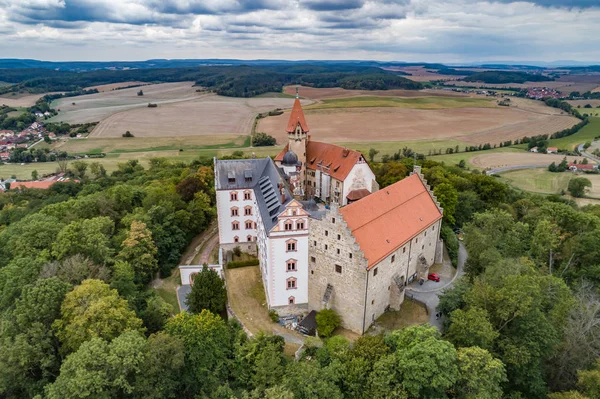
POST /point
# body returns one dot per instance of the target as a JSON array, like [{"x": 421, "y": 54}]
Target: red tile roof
[
  {"x": 387, "y": 219},
  {"x": 355, "y": 195},
  {"x": 335, "y": 160},
  {"x": 32, "y": 184},
  {"x": 587, "y": 166},
  {"x": 297, "y": 117}
]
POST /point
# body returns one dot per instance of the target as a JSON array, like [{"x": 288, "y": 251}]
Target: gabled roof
[
  {"x": 297, "y": 117},
  {"x": 387, "y": 219},
  {"x": 334, "y": 160}
]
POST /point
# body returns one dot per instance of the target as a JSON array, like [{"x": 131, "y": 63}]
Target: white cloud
[{"x": 442, "y": 30}]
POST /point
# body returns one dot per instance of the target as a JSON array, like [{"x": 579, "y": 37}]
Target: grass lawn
[
  {"x": 453, "y": 159},
  {"x": 436, "y": 102},
  {"x": 586, "y": 134},
  {"x": 247, "y": 298},
  {"x": 538, "y": 180},
  {"x": 390, "y": 147},
  {"x": 168, "y": 290},
  {"x": 410, "y": 314}
]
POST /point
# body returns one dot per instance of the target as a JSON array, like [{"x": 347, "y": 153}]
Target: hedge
[
  {"x": 451, "y": 243},
  {"x": 242, "y": 263}
]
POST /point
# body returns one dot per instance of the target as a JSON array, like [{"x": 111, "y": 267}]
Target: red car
[{"x": 433, "y": 277}]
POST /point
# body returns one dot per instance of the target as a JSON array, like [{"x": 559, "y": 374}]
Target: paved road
[
  {"x": 428, "y": 293},
  {"x": 587, "y": 154}
]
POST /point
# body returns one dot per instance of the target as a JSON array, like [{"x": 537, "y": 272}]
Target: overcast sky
[{"x": 401, "y": 30}]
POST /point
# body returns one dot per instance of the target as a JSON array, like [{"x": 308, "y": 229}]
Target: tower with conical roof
[{"x": 297, "y": 130}]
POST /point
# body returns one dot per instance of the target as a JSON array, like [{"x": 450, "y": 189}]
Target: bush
[
  {"x": 263, "y": 140},
  {"x": 127, "y": 134},
  {"x": 327, "y": 321},
  {"x": 243, "y": 263},
  {"x": 451, "y": 243},
  {"x": 274, "y": 316}
]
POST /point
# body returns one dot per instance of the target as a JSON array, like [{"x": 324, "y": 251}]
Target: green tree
[
  {"x": 140, "y": 251},
  {"x": 80, "y": 168},
  {"x": 100, "y": 369},
  {"x": 471, "y": 328},
  {"x": 34, "y": 175},
  {"x": 208, "y": 347},
  {"x": 89, "y": 237},
  {"x": 578, "y": 185},
  {"x": 97, "y": 169},
  {"x": 327, "y": 321},
  {"x": 481, "y": 376},
  {"x": 208, "y": 292},
  {"x": 372, "y": 153},
  {"x": 448, "y": 198},
  {"x": 91, "y": 310},
  {"x": 123, "y": 279},
  {"x": 308, "y": 380}
]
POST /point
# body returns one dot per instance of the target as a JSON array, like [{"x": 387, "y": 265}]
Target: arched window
[
  {"x": 234, "y": 211},
  {"x": 236, "y": 239},
  {"x": 247, "y": 195},
  {"x": 300, "y": 225},
  {"x": 291, "y": 265},
  {"x": 248, "y": 210},
  {"x": 291, "y": 245},
  {"x": 288, "y": 225},
  {"x": 235, "y": 225},
  {"x": 192, "y": 276},
  {"x": 291, "y": 300},
  {"x": 291, "y": 283},
  {"x": 249, "y": 238},
  {"x": 233, "y": 196}
]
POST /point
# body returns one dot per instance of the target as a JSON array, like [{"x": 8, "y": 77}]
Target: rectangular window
[
  {"x": 291, "y": 284},
  {"x": 339, "y": 237},
  {"x": 326, "y": 233},
  {"x": 326, "y": 247},
  {"x": 248, "y": 212},
  {"x": 338, "y": 269},
  {"x": 404, "y": 250},
  {"x": 425, "y": 234},
  {"x": 350, "y": 255},
  {"x": 416, "y": 240},
  {"x": 248, "y": 179},
  {"x": 332, "y": 220},
  {"x": 338, "y": 251},
  {"x": 291, "y": 266},
  {"x": 393, "y": 258},
  {"x": 291, "y": 246},
  {"x": 313, "y": 259},
  {"x": 247, "y": 195},
  {"x": 231, "y": 180},
  {"x": 233, "y": 196},
  {"x": 235, "y": 226},
  {"x": 422, "y": 246},
  {"x": 288, "y": 226},
  {"x": 249, "y": 225},
  {"x": 234, "y": 212},
  {"x": 433, "y": 228},
  {"x": 315, "y": 243},
  {"x": 374, "y": 272},
  {"x": 300, "y": 226}
]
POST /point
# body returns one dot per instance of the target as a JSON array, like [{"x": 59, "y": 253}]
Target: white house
[
  {"x": 551, "y": 150},
  {"x": 257, "y": 212}
]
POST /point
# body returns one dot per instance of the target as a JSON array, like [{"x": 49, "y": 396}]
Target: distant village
[{"x": 9, "y": 140}]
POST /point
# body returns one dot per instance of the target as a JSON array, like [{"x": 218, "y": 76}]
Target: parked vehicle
[{"x": 433, "y": 277}]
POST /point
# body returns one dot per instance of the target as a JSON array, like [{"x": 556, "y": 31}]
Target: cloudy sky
[{"x": 403, "y": 30}]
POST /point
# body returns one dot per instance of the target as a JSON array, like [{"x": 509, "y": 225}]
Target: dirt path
[
  {"x": 201, "y": 242},
  {"x": 207, "y": 250}
]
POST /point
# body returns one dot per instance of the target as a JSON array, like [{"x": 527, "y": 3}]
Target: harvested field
[
  {"x": 500, "y": 160},
  {"x": 414, "y": 102},
  {"x": 582, "y": 103},
  {"x": 20, "y": 100},
  {"x": 545, "y": 182},
  {"x": 338, "y": 92},
  {"x": 596, "y": 90},
  {"x": 95, "y": 107},
  {"x": 113, "y": 86},
  {"x": 400, "y": 124},
  {"x": 560, "y": 85},
  {"x": 208, "y": 115},
  {"x": 422, "y": 74}
]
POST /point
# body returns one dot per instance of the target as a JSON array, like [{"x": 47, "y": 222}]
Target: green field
[
  {"x": 589, "y": 111},
  {"x": 538, "y": 180},
  {"x": 413, "y": 102},
  {"x": 586, "y": 134}
]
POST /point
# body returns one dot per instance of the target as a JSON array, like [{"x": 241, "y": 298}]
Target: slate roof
[
  {"x": 387, "y": 219},
  {"x": 260, "y": 175}
]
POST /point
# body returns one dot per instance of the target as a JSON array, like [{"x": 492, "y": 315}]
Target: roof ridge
[{"x": 390, "y": 210}]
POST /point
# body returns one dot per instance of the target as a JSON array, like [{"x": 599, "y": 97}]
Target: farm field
[
  {"x": 582, "y": 103},
  {"x": 563, "y": 84},
  {"x": 545, "y": 182},
  {"x": 338, "y": 92},
  {"x": 208, "y": 115},
  {"x": 422, "y": 74},
  {"x": 501, "y": 160},
  {"x": 413, "y": 102},
  {"x": 588, "y": 133},
  {"x": 113, "y": 86},
  {"x": 466, "y": 125},
  {"x": 95, "y": 107},
  {"x": 20, "y": 100}
]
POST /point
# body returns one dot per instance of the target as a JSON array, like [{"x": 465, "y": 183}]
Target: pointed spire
[
  {"x": 297, "y": 92},
  {"x": 297, "y": 117}
]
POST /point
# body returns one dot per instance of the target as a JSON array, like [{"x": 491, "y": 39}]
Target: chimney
[
  {"x": 345, "y": 152},
  {"x": 282, "y": 195}
]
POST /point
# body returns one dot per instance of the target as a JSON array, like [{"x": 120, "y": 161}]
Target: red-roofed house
[
  {"x": 332, "y": 173},
  {"x": 364, "y": 254},
  {"x": 582, "y": 167},
  {"x": 551, "y": 150}
]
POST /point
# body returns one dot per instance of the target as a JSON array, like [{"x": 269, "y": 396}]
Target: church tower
[{"x": 297, "y": 130}]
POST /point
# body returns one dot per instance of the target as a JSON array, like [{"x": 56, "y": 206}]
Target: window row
[
  {"x": 289, "y": 225},
  {"x": 233, "y": 196},
  {"x": 247, "y": 211},
  {"x": 248, "y": 239},
  {"x": 249, "y": 224}
]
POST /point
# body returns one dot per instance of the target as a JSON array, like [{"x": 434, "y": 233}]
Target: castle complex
[{"x": 355, "y": 255}]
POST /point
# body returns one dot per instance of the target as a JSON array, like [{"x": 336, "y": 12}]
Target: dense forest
[
  {"x": 77, "y": 319},
  {"x": 236, "y": 81},
  {"x": 502, "y": 77}
]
